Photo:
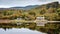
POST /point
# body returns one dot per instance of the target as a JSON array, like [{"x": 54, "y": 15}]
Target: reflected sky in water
[{"x": 19, "y": 31}]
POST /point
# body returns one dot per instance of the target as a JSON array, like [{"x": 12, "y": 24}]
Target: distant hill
[
  {"x": 26, "y": 8},
  {"x": 53, "y": 5}
]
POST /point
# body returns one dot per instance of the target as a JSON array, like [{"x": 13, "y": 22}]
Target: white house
[
  {"x": 40, "y": 18},
  {"x": 19, "y": 18}
]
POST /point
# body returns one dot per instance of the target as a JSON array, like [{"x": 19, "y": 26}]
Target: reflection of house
[{"x": 18, "y": 23}]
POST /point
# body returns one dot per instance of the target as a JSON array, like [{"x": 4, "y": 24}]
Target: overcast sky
[{"x": 10, "y": 3}]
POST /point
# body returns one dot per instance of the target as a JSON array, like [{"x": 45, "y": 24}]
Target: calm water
[{"x": 19, "y": 31}]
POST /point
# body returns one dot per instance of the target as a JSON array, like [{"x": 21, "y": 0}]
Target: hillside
[{"x": 51, "y": 11}]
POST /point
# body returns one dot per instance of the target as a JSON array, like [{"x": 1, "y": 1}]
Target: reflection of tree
[{"x": 4, "y": 28}]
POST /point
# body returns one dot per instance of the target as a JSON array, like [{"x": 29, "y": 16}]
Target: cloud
[
  {"x": 3, "y": 6},
  {"x": 47, "y": 0},
  {"x": 8, "y": 3}
]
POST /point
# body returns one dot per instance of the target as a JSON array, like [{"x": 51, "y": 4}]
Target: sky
[{"x": 23, "y": 3}]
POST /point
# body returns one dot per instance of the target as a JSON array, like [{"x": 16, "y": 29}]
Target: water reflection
[
  {"x": 48, "y": 28},
  {"x": 19, "y": 31}
]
